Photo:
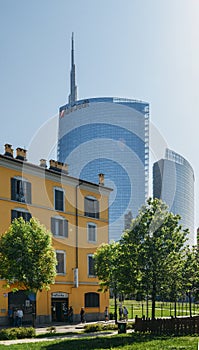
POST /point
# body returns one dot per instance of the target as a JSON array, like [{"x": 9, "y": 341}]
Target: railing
[{"x": 176, "y": 326}]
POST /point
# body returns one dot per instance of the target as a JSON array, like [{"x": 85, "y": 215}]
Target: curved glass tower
[
  {"x": 111, "y": 136},
  {"x": 173, "y": 182}
]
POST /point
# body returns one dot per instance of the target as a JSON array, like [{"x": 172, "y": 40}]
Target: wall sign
[{"x": 59, "y": 295}]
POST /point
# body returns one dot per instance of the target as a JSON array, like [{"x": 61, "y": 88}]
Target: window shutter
[
  {"x": 91, "y": 271},
  {"x": 96, "y": 209},
  {"x": 92, "y": 300},
  {"x": 60, "y": 262},
  {"x": 59, "y": 200},
  {"x": 65, "y": 228},
  {"x": 28, "y": 192},
  {"x": 13, "y": 189},
  {"x": 13, "y": 215},
  {"x": 53, "y": 226},
  {"x": 91, "y": 206},
  {"x": 26, "y": 216},
  {"x": 91, "y": 232}
]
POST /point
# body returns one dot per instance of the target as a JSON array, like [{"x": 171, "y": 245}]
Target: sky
[{"x": 141, "y": 49}]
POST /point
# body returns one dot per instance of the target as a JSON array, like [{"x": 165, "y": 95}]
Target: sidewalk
[{"x": 76, "y": 329}]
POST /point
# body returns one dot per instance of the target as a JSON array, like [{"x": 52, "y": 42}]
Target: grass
[
  {"x": 163, "y": 309},
  {"x": 125, "y": 342}
]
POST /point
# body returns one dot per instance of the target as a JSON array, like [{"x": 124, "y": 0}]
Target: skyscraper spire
[{"x": 73, "y": 88}]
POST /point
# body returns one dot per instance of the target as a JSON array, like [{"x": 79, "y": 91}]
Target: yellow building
[{"x": 76, "y": 212}]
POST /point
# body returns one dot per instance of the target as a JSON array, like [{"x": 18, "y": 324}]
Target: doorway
[{"x": 59, "y": 305}]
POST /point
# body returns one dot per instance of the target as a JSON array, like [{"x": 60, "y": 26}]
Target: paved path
[{"x": 61, "y": 328}]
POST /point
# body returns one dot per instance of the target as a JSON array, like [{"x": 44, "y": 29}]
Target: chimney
[
  {"x": 21, "y": 153},
  {"x": 8, "y": 150},
  {"x": 58, "y": 166},
  {"x": 43, "y": 163},
  {"x": 101, "y": 179},
  {"x": 62, "y": 167}
]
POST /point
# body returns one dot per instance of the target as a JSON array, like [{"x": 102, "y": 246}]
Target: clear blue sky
[{"x": 143, "y": 49}]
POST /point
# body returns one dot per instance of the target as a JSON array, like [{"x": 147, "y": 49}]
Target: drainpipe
[{"x": 77, "y": 234}]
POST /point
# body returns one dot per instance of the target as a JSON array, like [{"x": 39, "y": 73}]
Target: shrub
[
  {"x": 99, "y": 327},
  {"x": 17, "y": 333},
  {"x": 93, "y": 328},
  {"x": 51, "y": 330}
]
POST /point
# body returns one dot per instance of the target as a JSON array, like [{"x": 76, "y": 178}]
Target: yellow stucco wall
[{"x": 42, "y": 207}]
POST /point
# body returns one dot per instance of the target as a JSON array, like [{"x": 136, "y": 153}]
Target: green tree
[
  {"x": 190, "y": 274},
  {"x": 174, "y": 288},
  {"x": 153, "y": 243},
  {"x": 106, "y": 267},
  {"x": 27, "y": 258}
]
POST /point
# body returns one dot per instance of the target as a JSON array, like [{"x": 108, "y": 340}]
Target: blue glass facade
[
  {"x": 109, "y": 136},
  {"x": 173, "y": 182}
]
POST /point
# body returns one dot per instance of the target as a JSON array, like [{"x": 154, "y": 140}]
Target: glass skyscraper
[
  {"x": 110, "y": 136},
  {"x": 173, "y": 182}
]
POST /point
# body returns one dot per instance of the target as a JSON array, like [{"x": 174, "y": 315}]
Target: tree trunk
[
  {"x": 115, "y": 299},
  {"x": 153, "y": 302},
  {"x": 147, "y": 306},
  {"x": 175, "y": 308},
  {"x": 190, "y": 311},
  {"x": 34, "y": 311}
]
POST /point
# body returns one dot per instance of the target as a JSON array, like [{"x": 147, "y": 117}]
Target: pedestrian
[
  {"x": 82, "y": 315},
  {"x": 106, "y": 314},
  {"x": 70, "y": 315},
  {"x": 125, "y": 313},
  {"x": 15, "y": 318},
  {"x": 10, "y": 316},
  {"x": 66, "y": 314},
  {"x": 120, "y": 312},
  {"x": 19, "y": 317}
]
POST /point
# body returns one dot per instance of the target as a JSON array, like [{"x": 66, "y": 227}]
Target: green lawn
[
  {"x": 125, "y": 342},
  {"x": 163, "y": 309}
]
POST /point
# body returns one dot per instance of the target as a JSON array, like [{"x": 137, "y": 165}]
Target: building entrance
[
  {"x": 59, "y": 305},
  {"x": 23, "y": 300}
]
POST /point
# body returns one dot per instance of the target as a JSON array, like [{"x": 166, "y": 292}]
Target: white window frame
[
  {"x": 64, "y": 253},
  {"x": 88, "y": 238},
  {"x": 26, "y": 193},
  {"x": 61, "y": 190},
  {"x": 21, "y": 210},
  {"x": 95, "y": 214},
  {"x": 61, "y": 218}
]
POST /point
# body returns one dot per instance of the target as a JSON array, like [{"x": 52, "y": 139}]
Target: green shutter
[{"x": 13, "y": 189}]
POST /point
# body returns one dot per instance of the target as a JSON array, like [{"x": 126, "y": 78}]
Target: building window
[
  {"x": 59, "y": 199},
  {"x": 91, "y": 300},
  {"x": 92, "y": 232},
  {"x": 61, "y": 262},
  {"x": 59, "y": 227},
  {"x": 20, "y": 190},
  {"x": 91, "y": 266},
  {"x": 20, "y": 213},
  {"x": 91, "y": 207}
]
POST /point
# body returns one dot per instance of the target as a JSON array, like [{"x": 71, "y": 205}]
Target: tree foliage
[
  {"x": 154, "y": 242},
  {"x": 106, "y": 265},
  {"x": 149, "y": 259},
  {"x": 27, "y": 258},
  {"x": 190, "y": 274}
]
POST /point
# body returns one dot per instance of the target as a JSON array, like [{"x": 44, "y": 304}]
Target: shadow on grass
[{"x": 101, "y": 342}]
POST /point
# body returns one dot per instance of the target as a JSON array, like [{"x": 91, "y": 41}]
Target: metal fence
[{"x": 175, "y": 326}]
